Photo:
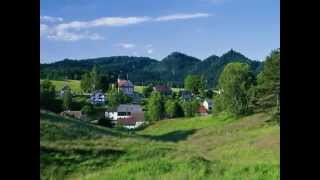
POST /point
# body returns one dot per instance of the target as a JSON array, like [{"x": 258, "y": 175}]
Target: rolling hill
[
  {"x": 141, "y": 70},
  {"x": 213, "y": 147}
]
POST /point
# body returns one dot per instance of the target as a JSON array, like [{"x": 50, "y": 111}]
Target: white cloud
[
  {"x": 104, "y": 21},
  {"x": 118, "y": 21},
  {"x": 181, "y": 16},
  {"x": 72, "y": 31},
  {"x": 43, "y": 29},
  {"x": 150, "y": 51},
  {"x": 126, "y": 45},
  {"x": 51, "y": 19},
  {"x": 72, "y": 36}
]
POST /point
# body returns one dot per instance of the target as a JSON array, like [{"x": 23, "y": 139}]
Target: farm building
[{"x": 128, "y": 115}]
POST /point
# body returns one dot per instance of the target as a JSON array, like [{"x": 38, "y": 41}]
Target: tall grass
[{"x": 218, "y": 147}]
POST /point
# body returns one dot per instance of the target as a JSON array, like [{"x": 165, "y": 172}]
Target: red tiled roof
[
  {"x": 124, "y": 83},
  {"x": 127, "y": 121},
  {"x": 202, "y": 109}
]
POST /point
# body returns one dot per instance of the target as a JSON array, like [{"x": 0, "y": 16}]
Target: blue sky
[{"x": 154, "y": 28}]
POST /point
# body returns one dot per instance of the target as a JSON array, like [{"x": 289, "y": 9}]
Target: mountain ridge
[{"x": 171, "y": 69}]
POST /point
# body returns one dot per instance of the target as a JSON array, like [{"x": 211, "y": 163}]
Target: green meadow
[
  {"x": 73, "y": 84},
  {"x": 212, "y": 147},
  {"x": 139, "y": 89}
]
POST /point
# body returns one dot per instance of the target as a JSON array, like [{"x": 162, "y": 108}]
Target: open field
[
  {"x": 219, "y": 147},
  {"x": 139, "y": 89},
  {"x": 73, "y": 84}
]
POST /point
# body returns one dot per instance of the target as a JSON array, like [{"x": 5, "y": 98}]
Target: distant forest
[{"x": 143, "y": 70}]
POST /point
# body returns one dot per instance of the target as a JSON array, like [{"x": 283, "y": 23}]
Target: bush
[
  {"x": 87, "y": 109},
  {"x": 105, "y": 122}
]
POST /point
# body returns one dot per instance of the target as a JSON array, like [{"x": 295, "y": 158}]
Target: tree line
[{"x": 240, "y": 92}]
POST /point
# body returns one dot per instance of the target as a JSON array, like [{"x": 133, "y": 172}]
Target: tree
[
  {"x": 190, "y": 108},
  {"x": 116, "y": 97},
  {"x": 173, "y": 109},
  {"x": 87, "y": 109},
  {"x": 194, "y": 83},
  {"x": 146, "y": 91},
  {"x": 155, "y": 107},
  {"x": 95, "y": 79},
  {"x": 235, "y": 81},
  {"x": 85, "y": 82},
  {"x": 266, "y": 94},
  {"x": 47, "y": 93},
  {"x": 103, "y": 121},
  {"x": 67, "y": 99},
  {"x": 105, "y": 82}
]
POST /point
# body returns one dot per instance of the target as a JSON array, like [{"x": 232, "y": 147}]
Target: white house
[
  {"x": 97, "y": 97},
  {"x": 128, "y": 115},
  {"x": 208, "y": 104}
]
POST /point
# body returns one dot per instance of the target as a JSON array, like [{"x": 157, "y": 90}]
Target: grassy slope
[
  {"x": 73, "y": 84},
  {"x": 195, "y": 148}
]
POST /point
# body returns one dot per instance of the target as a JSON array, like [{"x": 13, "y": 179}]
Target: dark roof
[{"x": 114, "y": 109}]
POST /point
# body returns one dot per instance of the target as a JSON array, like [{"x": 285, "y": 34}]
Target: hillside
[
  {"x": 171, "y": 69},
  {"x": 219, "y": 147}
]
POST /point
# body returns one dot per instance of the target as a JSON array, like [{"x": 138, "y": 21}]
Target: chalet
[
  {"x": 97, "y": 97},
  {"x": 128, "y": 115},
  {"x": 75, "y": 114},
  {"x": 125, "y": 86},
  {"x": 208, "y": 104},
  {"x": 163, "y": 89},
  {"x": 202, "y": 110}
]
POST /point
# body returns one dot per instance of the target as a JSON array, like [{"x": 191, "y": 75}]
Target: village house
[
  {"x": 208, "y": 104},
  {"x": 97, "y": 97},
  {"x": 125, "y": 86},
  {"x": 128, "y": 115},
  {"x": 163, "y": 89}
]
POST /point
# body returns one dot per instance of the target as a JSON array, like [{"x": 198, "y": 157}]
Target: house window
[{"x": 121, "y": 113}]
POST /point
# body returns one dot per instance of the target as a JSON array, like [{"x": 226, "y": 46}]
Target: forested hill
[{"x": 172, "y": 69}]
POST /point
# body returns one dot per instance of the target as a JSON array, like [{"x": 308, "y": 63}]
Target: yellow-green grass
[
  {"x": 73, "y": 84},
  {"x": 220, "y": 147},
  {"x": 139, "y": 89}
]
